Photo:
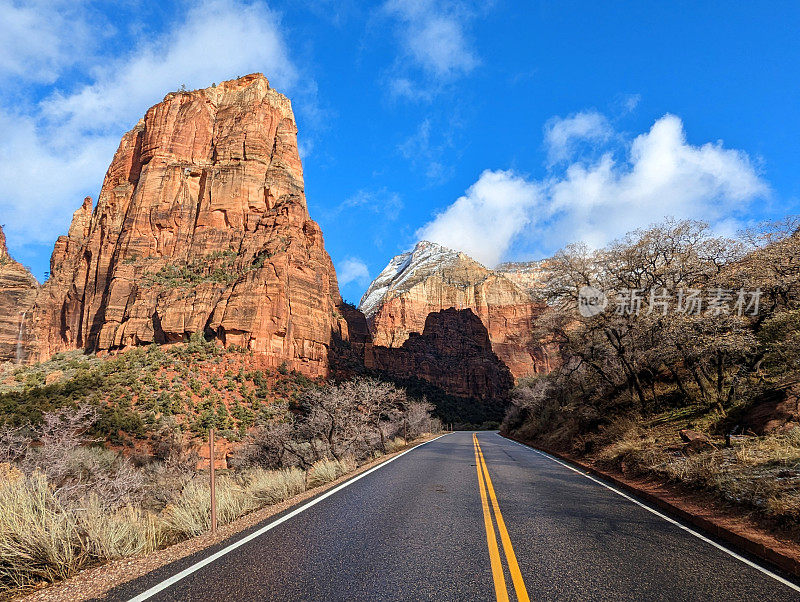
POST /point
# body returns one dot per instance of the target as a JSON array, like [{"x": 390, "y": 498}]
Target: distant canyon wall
[{"x": 431, "y": 278}]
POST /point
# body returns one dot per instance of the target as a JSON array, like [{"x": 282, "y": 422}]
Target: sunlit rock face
[
  {"x": 201, "y": 225},
  {"x": 431, "y": 278},
  {"x": 17, "y": 292}
]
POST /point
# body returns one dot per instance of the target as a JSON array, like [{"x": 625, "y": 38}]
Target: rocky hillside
[
  {"x": 201, "y": 225},
  {"x": 431, "y": 278},
  {"x": 17, "y": 291}
]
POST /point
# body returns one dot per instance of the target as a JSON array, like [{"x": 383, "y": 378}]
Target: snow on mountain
[{"x": 407, "y": 269}]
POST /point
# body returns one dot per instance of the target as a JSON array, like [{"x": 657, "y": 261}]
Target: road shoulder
[
  {"x": 97, "y": 582},
  {"x": 699, "y": 511}
]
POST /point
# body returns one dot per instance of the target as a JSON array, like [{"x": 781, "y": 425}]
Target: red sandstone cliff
[
  {"x": 431, "y": 278},
  {"x": 201, "y": 225},
  {"x": 17, "y": 291}
]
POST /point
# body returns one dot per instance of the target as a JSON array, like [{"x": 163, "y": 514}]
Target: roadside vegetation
[
  {"x": 154, "y": 393},
  {"x": 102, "y": 460},
  {"x": 707, "y": 398}
]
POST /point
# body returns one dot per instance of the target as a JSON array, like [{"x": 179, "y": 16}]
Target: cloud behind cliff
[
  {"x": 485, "y": 221},
  {"x": 69, "y": 137},
  {"x": 352, "y": 270},
  {"x": 660, "y": 174}
]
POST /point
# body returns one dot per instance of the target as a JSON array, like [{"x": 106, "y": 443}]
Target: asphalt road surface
[{"x": 466, "y": 517}]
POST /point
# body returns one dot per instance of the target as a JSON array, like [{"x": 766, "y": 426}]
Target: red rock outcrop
[
  {"x": 431, "y": 278},
  {"x": 17, "y": 292},
  {"x": 201, "y": 225},
  {"x": 454, "y": 353}
]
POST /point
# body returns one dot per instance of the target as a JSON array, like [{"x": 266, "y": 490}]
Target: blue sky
[{"x": 504, "y": 129}]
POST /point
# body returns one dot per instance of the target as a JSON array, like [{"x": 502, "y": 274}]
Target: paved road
[{"x": 416, "y": 529}]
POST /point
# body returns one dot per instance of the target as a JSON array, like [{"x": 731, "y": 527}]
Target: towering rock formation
[
  {"x": 431, "y": 278},
  {"x": 201, "y": 225},
  {"x": 17, "y": 291}
]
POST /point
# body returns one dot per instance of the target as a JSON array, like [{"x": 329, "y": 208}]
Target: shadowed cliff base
[{"x": 451, "y": 363}]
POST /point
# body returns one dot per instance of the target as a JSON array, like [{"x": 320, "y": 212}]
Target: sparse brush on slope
[
  {"x": 634, "y": 375},
  {"x": 65, "y": 506}
]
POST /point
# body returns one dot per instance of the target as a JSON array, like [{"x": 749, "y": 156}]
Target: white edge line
[
  {"x": 728, "y": 551},
  {"x": 159, "y": 587}
]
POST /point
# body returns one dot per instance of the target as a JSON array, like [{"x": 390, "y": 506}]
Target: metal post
[{"x": 213, "y": 481}]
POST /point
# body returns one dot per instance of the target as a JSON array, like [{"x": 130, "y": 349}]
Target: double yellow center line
[{"x": 485, "y": 484}]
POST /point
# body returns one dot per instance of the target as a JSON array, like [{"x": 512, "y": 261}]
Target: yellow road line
[
  {"x": 511, "y": 557},
  {"x": 491, "y": 540}
]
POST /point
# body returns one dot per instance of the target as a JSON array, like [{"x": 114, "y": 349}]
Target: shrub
[
  {"x": 395, "y": 444},
  {"x": 39, "y": 538},
  {"x": 45, "y": 538},
  {"x": 128, "y": 531}
]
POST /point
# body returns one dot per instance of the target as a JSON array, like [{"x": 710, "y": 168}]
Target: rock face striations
[
  {"x": 17, "y": 292},
  {"x": 431, "y": 278},
  {"x": 201, "y": 225}
]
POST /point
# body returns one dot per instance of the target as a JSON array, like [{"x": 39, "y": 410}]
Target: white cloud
[
  {"x": 561, "y": 134},
  {"x": 41, "y": 188},
  {"x": 663, "y": 175},
  {"x": 596, "y": 202},
  {"x": 629, "y": 102},
  {"x": 433, "y": 38},
  {"x": 58, "y": 152},
  {"x": 352, "y": 269},
  {"x": 217, "y": 40},
  {"x": 403, "y": 87},
  {"x": 425, "y": 154},
  {"x": 484, "y": 222},
  {"x": 39, "y": 38}
]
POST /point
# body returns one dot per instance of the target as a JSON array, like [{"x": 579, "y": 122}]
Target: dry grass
[
  {"x": 120, "y": 533},
  {"x": 395, "y": 444},
  {"x": 43, "y": 538},
  {"x": 274, "y": 486},
  {"x": 46, "y": 538},
  {"x": 39, "y": 539},
  {"x": 325, "y": 471},
  {"x": 782, "y": 449},
  {"x": 190, "y": 515},
  {"x": 761, "y": 473},
  {"x": 49, "y": 533}
]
